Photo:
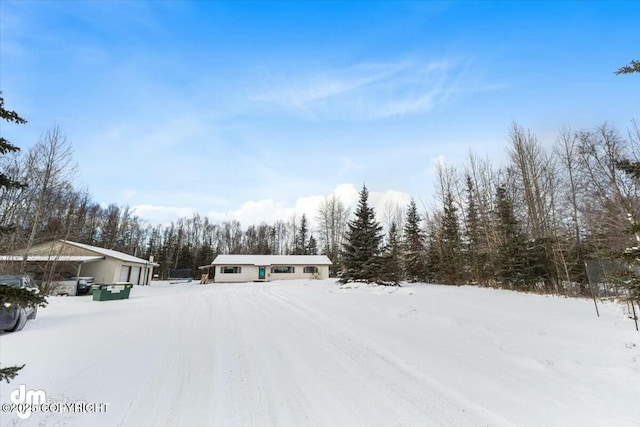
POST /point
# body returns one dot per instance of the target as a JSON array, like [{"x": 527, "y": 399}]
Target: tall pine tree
[
  {"x": 8, "y": 147},
  {"x": 312, "y": 247},
  {"x": 414, "y": 246},
  {"x": 510, "y": 261},
  {"x": 472, "y": 236},
  {"x": 476, "y": 250},
  {"x": 361, "y": 261},
  {"x": 9, "y": 295},
  {"x": 450, "y": 266},
  {"x": 391, "y": 267},
  {"x": 302, "y": 238},
  {"x": 432, "y": 248},
  {"x": 631, "y": 280},
  {"x": 628, "y": 278}
]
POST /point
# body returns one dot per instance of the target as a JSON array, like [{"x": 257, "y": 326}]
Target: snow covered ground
[{"x": 308, "y": 353}]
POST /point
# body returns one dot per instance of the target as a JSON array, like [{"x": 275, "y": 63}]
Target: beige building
[
  {"x": 68, "y": 259},
  {"x": 266, "y": 268}
]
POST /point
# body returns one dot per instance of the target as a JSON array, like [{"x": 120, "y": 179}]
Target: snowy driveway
[{"x": 306, "y": 353}]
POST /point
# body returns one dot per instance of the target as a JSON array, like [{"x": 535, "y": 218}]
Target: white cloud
[
  {"x": 392, "y": 197},
  {"x": 269, "y": 210},
  {"x": 308, "y": 206},
  {"x": 255, "y": 212},
  {"x": 347, "y": 193}
]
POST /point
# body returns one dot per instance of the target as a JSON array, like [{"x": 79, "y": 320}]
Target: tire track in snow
[
  {"x": 257, "y": 355},
  {"x": 340, "y": 382},
  {"x": 277, "y": 365},
  {"x": 238, "y": 397},
  {"x": 393, "y": 379},
  {"x": 167, "y": 397}
]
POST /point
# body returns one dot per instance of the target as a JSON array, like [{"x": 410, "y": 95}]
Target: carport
[
  {"x": 48, "y": 268},
  {"x": 62, "y": 258}
]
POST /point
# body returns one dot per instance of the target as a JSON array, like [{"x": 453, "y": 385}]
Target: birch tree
[
  {"x": 332, "y": 218},
  {"x": 52, "y": 158}
]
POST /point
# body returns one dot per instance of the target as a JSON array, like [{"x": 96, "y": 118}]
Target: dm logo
[{"x": 25, "y": 400}]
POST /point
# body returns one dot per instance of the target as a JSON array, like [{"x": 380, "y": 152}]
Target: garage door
[
  {"x": 124, "y": 273},
  {"x": 135, "y": 275}
]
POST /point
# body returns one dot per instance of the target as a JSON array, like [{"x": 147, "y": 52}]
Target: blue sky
[{"x": 249, "y": 110}]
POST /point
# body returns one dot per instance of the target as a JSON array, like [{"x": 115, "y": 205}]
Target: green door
[{"x": 261, "y": 272}]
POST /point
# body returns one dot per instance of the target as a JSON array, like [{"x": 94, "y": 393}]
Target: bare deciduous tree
[
  {"x": 52, "y": 161},
  {"x": 332, "y": 219}
]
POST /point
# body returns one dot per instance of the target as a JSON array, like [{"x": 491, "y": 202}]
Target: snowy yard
[{"x": 307, "y": 353}]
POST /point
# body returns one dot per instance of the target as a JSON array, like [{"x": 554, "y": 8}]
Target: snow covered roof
[
  {"x": 48, "y": 258},
  {"x": 110, "y": 253},
  {"x": 271, "y": 260}
]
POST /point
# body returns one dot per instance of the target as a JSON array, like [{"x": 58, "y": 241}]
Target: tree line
[
  {"x": 52, "y": 207},
  {"x": 529, "y": 223}
]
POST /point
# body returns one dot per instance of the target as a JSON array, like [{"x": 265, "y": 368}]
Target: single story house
[
  {"x": 78, "y": 259},
  {"x": 265, "y": 268}
]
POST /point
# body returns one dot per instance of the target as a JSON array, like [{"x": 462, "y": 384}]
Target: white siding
[
  {"x": 251, "y": 263},
  {"x": 248, "y": 273},
  {"x": 271, "y": 260},
  {"x": 323, "y": 273}
]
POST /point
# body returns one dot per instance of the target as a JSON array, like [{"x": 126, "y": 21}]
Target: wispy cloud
[
  {"x": 317, "y": 88},
  {"x": 371, "y": 90}
]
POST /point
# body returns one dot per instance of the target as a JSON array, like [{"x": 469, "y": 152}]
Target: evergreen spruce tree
[
  {"x": 539, "y": 267},
  {"x": 633, "y": 67},
  {"x": 206, "y": 254},
  {"x": 432, "y": 249},
  {"x": 391, "y": 266},
  {"x": 302, "y": 238},
  {"x": 510, "y": 259},
  {"x": 361, "y": 248},
  {"x": 414, "y": 246},
  {"x": 312, "y": 248},
  {"x": 477, "y": 255},
  {"x": 450, "y": 265},
  {"x": 630, "y": 168},
  {"x": 7, "y": 147},
  {"x": 10, "y": 295},
  {"x": 628, "y": 278},
  {"x": 472, "y": 237},
  {"x": 185, "y": 258},
  {"x": 631, "y": 255}
]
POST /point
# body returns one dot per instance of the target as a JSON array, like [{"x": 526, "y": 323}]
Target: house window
[
  {"x": 230, "y": 270},
  {"x": 283, "y": 269},
  {"x": 311, "y": 269}
]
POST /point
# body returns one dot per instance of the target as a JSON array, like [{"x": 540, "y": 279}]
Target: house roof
[
  {"x": 48, "y": 258},
  {"x": 271, "y": 260},
  {"x": 110, "y": 253}
]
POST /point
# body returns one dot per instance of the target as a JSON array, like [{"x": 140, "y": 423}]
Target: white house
[
  {"x": 265, "y": 268},
  {"x": 78, "y": 259}
]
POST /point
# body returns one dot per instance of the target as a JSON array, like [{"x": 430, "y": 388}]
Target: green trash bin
[{"x": 111, "y": 292}]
